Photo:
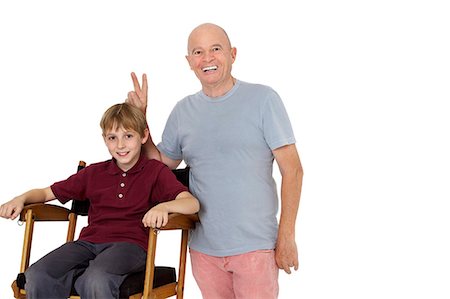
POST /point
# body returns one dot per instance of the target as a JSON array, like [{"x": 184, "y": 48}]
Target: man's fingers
[
  {"x": 286, "y": 266},
  {"x": 134, "y": 100},
  {"x": 287, "y": 269},
  {"x": 137, "y": 87},
  {"x": 144, "y": 83},
  {"x": 132, "y": 97}
]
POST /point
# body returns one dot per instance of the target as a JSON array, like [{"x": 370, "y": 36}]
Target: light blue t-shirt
[{"x": 228, "y": 141}]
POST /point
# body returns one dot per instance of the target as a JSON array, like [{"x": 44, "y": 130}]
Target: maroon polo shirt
[{"x": 118, "y": 199}]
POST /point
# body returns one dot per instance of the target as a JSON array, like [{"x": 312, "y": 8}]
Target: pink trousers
[{"x": 252, "y": 275}]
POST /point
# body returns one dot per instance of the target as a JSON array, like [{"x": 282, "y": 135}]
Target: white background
[{"x": 365, "y": 83}]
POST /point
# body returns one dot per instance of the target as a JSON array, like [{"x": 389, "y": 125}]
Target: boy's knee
[
  {"x": 96, "y": 284},
  {"x": 35, "y": 276},
  {"x": 37, "y": 282}
]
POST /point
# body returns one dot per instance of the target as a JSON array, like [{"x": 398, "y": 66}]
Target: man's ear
[
  {"x": 145, "y": 137},
  {"x": 233, "y": 53},
  {"x": 188, "y": 60}
]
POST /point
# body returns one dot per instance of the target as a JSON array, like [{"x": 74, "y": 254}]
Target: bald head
[
  {"x": 208, "y": 29},
  {"x": 211, "y": 57}
]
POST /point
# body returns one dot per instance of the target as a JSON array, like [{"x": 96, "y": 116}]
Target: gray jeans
[{"x": 100, "y": 270}]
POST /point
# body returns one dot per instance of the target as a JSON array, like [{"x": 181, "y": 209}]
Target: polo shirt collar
[{"x": 113, "y": 169}]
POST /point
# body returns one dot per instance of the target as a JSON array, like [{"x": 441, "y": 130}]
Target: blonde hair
[{"x": 124, "y": 115}]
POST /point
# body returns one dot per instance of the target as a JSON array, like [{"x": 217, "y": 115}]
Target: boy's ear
[{"x": 145, "y": 137}]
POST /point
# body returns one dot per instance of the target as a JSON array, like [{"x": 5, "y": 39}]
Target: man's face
[{"x": 210, "y": 56}]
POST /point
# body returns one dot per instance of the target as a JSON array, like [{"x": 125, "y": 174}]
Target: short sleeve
[
  {"x": 276, "y": 124},
  {"x": 170, "y": 142},
  {"x": 71, "y": 188},
  {"x": 166, "y": 187}
]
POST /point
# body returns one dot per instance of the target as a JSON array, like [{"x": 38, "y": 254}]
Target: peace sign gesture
[{"x": 138, "y": 97}]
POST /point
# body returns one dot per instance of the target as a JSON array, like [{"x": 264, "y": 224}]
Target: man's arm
[
  {"x": 152, "y": 152},
  {"x": 288, "y": 161},
  {"x": 12, "y": 208},
  {"x": 138, "y": 98}
]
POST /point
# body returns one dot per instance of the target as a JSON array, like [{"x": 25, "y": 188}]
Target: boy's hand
[
  {"x": 138, "y": 97},
  {"x": 156, "y": 217},
  {"x": 12, "y": 208}
]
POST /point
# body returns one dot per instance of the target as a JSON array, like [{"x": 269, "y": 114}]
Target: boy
[{"x": 127, "y": 194}]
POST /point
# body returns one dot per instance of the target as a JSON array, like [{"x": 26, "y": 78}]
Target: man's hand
[
  {"x": 138, "y": 97},
  {"x": 286, "y": 254}
]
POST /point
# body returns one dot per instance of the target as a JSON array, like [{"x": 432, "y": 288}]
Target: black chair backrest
[
  {"x": 182, "y": 175},
  {"x": 81, "y": 207}
]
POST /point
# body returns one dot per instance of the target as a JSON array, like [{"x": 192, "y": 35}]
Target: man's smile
[{"x": 209, "y": 68}]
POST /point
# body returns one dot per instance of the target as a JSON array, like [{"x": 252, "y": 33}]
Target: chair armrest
[
  {"x": 180, "y": 221},
  {"x": 46, "y": 212}
]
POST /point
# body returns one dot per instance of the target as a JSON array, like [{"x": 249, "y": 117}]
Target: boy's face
[{"x": 124, "y": 146}]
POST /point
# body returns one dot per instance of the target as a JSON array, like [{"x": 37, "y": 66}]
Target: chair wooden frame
[{"x": 49, "y": 212}]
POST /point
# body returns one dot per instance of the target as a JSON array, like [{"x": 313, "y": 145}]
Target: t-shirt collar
[{"x": 227, "y": 95}]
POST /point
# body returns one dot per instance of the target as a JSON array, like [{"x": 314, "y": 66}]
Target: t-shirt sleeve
[
  {"x": 276, "y": 124},
  {"x": 167, "y": 187},
  {"x": 170, "y": 143},
  {"x": 71, "y": 188}
]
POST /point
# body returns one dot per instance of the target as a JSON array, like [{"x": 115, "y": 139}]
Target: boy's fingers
[{"x": 14, "y": 215}]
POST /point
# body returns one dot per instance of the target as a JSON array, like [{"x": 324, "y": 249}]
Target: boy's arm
[
  {"x": 184, "y": 203},
  {"x": 12, "y": 208}
]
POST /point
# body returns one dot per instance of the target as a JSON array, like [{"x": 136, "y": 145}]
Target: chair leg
[
  {"x": 182, "y": 266},
  {"x": 26, "y": 249},
  {"x": 27, "y": 241},
  {"x": 16, "y": 291},
  {"x": 72, "y": 226},
  {"x": 150, "y": 264}
]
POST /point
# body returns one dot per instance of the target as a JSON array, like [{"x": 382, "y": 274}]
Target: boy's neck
[{"x": 127, "y": 167}]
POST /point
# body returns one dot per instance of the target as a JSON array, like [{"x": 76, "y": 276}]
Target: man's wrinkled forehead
[{"x": 208, "y": 35}]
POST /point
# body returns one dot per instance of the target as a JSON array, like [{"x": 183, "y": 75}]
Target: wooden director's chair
[{"x": 155, "y": 282}]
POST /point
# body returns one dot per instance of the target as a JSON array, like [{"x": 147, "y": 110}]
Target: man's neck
[{"x": 220, "y": 89}]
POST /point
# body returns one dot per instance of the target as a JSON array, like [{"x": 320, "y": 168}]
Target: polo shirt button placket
[{"x": 122, "y": 184}]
